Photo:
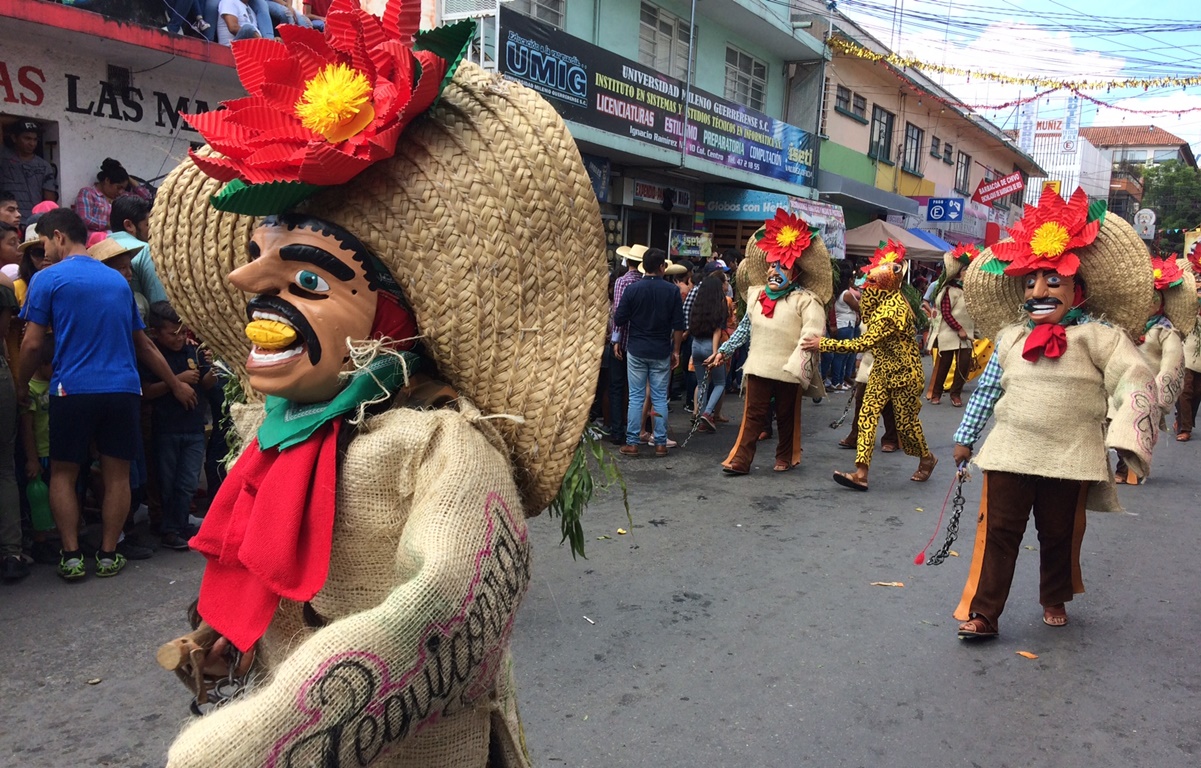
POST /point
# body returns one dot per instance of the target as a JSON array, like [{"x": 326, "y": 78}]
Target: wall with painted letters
[{"x": 88, "y": 118}]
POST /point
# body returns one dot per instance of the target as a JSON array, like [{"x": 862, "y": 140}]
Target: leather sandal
[
  {"x": 1055, "y": 615},
  {"x": 978, "y": 628},
  {"x": 888, "y": 448},
  {"x": 845, "y": 443},
  {"x": 849, "y": 480},
  {"x": 782, "y": 466},
  {"x": 956, "y": 401},
  {"x": 924, "y": 468},
  {"x": 1183, "y": 437}
]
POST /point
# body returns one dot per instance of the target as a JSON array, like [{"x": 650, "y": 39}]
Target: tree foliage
[{"x": 1173, "y": 191}]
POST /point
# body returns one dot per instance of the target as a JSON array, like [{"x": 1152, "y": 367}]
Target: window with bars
[
  {"x": 663, "y": 41},
  {"x": 915, "y": 139},
  {"x": 946, "y": 153},
  {"x": 746, "y": 79},
  {"x": 546, "y": 11},
  {"x": 859, "y": 107},
  {"x": 881, "y": 139},
  {"x": 935, "y": 147},
  {"x": 1017, "y": 197},
  {"x": 963, "y": 173}
]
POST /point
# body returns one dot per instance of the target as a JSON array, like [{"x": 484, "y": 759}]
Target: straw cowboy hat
[
  {"x": 1180, "y": 301},
  {"x": 488, "y": 176},
  {"x": 817, "y": 275},
  {"x": 1115, "y": 269},
  {"x": 109, "y": 248},
  {"x": 632, "y": 252}
]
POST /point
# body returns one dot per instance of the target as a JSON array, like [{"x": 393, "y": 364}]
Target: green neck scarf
[
  {"x": 776, "y": 295},
  {"x": 288, "y": 424}
]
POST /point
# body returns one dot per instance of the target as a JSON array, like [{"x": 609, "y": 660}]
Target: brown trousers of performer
[
  {"x": 963, "y": 365},
  {"x": 1186, "y": 404},
  {"x": 1005, "y": 506},
  {"x": 890, "y": 421},
  {"x": 756, "y": 416}
]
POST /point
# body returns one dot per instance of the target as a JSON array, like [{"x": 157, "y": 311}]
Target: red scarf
[
  {"x": 262, "y": 548},
  {"x": 1047, "y": 339}
]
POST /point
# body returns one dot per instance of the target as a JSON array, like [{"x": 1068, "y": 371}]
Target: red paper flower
[
  {"x": 890, "y": 252},
  {"x": 1167, "y": 272},
  {"x": 1194, "y": 257},
  {"x": 322, "y": 107},
  {"x": 965, "y": 252},
  {"x": 785, "y": 238},
  {"x": 1045, "y": 236}
]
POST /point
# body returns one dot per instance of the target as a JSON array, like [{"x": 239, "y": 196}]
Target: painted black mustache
[
  {"x": 295, "y": 318},
  {"x": 1031, "y": 304}
]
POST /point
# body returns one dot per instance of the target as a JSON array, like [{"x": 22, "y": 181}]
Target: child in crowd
[
  {"x": 35, "y": 435},
  {"x": 177, "y": 434}
]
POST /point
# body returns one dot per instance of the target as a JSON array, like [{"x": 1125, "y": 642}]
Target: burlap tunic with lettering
[
  {"x": 1164, "y": 351},
  {"x": 775, "y": 351},
  {"x": 430, "y": 560},
  {"x": 948, "y": 337},
  {"x": 1051, "y": 419}
]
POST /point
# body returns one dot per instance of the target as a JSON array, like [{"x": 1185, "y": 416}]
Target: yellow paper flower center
[
  {"x": 787, "y": 236},
  {"x": 1050, "y": 240},
  {"x": 1158, "y": 273},
  {"x": 889, "y": 257},
  {"x": 336, "y": 103}
]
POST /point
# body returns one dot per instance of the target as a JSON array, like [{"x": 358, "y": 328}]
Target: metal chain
[
  {"x": 845, "y": 411},
  {"x": 224, "y": 690},
  {"x": 957, "y": 504},
  {"x": 702, "y": 395}
]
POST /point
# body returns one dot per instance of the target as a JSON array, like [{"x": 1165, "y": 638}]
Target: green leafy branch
[{"x": 579, "y": 485}]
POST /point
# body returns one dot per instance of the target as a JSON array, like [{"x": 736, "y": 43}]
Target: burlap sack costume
[
  {"x": 1101, "y": 369},
  {"x": 486, "y": 218}
]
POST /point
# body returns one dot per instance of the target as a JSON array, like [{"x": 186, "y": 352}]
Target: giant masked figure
[
  {"x": 1066, "y": 291},
  {"x": 416, "y": 388}
]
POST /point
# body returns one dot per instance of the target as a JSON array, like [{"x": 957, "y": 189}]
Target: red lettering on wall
[{"x": 30, "y": 79}]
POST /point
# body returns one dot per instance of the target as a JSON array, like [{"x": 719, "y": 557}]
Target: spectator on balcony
[
  {"x": 283, "y": 13},
  {"x": 23, "y": 173},
  {"x": 94, "y": 204},
  {"x": 239, "y": 21},
  {"x": 186, "y": 12}
]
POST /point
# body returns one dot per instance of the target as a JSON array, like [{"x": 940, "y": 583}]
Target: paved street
[{"x": 735, "y": 625}]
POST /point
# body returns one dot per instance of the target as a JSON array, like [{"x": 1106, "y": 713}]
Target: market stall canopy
[
  {"x": 932, "y": 239},
  {"x": 863, "y": 241}
]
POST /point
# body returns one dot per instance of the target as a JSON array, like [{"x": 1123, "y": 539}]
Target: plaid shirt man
[{"x": 617, "y": 335}]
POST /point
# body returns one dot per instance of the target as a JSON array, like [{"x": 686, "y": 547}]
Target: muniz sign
[{"x": 28, "y": 86}]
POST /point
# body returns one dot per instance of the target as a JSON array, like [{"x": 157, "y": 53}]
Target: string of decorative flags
[{"x": 904, "y": 62}]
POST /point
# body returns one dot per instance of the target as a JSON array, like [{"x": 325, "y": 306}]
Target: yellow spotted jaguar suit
[{"x": 896, "y": 375}]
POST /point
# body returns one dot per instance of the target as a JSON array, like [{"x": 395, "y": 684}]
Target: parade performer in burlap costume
[
  {"x": 427, "y": 384},
  {"x": 1062, "y": 298},
  {"x": 1190, "y": 391},
  {"x": 788, "y": 281},
  {"x": 1173, "y": 315},
  {"x": 955, "y": 330},
  {"x": 896, "y": 374}
]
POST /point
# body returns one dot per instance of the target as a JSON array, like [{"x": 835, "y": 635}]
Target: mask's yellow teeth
[{"x": 270, "y": 334}]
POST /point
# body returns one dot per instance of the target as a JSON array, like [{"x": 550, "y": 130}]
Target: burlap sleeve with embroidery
[
  {"x": 1164, "y": 350},
  {"x": 806, "y": 366},
  {"x": 1133, "y": 409},
  {"x": 417, "y": 679}
]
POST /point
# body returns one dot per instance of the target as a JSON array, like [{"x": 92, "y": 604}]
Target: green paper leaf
[
  {"x": 449, "y": 42},
  {"x": 993, "y": 266},
  {"x": 1096, "y": 210},
  {"x": 261, "y": 199}
]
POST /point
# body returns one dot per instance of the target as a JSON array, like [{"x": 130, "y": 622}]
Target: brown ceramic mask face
[
  {"x": 1049, "y": 296},
  {"x": 311, "y": 296},
  {"x": 886, "y": 277}
]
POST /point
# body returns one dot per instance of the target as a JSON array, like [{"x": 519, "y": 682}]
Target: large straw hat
[
  {"x": 632, "y": 252},
  {"x": 109, "y": 248},
  {"x": 1180, "y": 303},
  {"x": 488, "y": 221},
  {"x": 816, "y": 273},
  {"x": 1115, "y": 269}
]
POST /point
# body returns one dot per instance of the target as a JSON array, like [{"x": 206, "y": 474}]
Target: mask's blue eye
[{"x": 312, "y": 282}]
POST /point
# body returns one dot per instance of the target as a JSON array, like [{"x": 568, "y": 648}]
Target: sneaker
[
  {"x": 202, "y": 25},
  {"x": 110, "y": 566},
  {"x": 130, "y": 551},
  {"x": 71, "y": 569},
  {"x": 14, "y": 568},
  {"x": 175, "y": 541}
]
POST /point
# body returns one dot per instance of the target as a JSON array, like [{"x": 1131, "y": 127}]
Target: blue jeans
[
  {"x": 262, "y": 17},
  {"x": 180, "y": 459},
  {"x": 283, "y": 14},
  {"x": 640, "y": 371},
  {"x": 844, "y": 363},
  {"x": 701, "y": 349},
  {"x": 182, "y": 12}
]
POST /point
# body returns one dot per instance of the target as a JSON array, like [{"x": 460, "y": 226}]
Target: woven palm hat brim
[
  {"x": 951, "y": 266},
  {"x": 817, "y": 275},
  {"x": 1114, "y": 267},
  {"x": 487, "y": 178},
  {"x": 742, "y": 278},
  {"x": 1180, "y": 303}
]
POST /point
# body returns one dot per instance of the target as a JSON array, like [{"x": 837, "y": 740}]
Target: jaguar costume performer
[
  {"x": 426, "y": 385},
  {"x": 896, "y": 376}
]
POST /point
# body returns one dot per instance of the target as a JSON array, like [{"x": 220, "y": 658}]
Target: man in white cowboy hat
[
  {"x": 956, "y": 333},
  {"x": 1065, "y": 383},
  {"x": 631, "y": 259},
  {"x": 426, "y": 384}
]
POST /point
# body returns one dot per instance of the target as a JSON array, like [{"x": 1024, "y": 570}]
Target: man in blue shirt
[
  {"x": 655, "y": 314},
  {"x": 95, "y": 392}
]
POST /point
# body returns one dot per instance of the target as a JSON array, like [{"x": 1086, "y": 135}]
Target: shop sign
[
  {"x": 592, "y": 86},
  {"x": 656, "y": 194},
  {"x": 599, "y": 173},
  {"x": 828, "y": 218},
  {"x": 689, "y": 245},
  {"x": 735, "y": 204}
]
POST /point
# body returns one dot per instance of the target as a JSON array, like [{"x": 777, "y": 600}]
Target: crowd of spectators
[
  {"x": 220, "y": 21},
  {"x": 111, "y": 412}
]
